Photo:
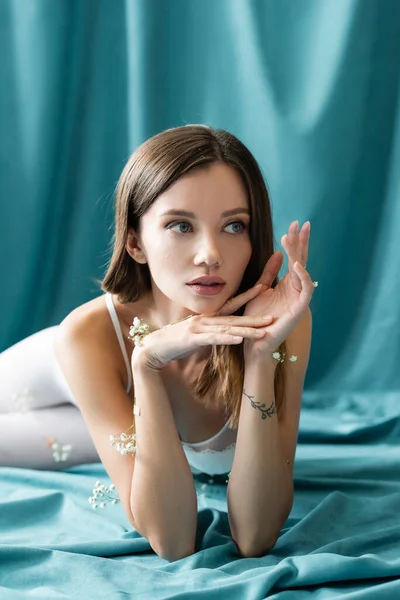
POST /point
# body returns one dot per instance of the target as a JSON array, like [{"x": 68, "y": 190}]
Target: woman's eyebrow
[{"x": 185, "y": 213}]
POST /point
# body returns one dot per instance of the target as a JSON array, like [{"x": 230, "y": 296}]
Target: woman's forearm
[
  {"x": 163, "y": 494},
  {"x": 260, "y": 488}
]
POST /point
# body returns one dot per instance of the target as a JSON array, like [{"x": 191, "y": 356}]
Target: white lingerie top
[{"x": 213, "y": 456}]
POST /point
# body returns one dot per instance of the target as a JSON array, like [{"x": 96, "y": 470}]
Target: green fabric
[
  {"x": 312, "y": 88},
  {"x": 340, "y": 541}
]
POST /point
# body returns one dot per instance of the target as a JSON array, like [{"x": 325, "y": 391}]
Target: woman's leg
[
  {"x": 48, "y": 438},
  {"x": 27, "y": 375},
  {"x": 39, "y": 427}
]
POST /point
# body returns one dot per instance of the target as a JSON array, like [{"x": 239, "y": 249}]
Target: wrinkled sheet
[{"x": 342, "y": 539}]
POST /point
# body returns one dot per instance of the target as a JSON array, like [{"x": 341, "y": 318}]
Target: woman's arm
[
  {"x": 155, "y": 486},
  {"x": 163, "y": 496},
  {"x": 260, "y": 488}
]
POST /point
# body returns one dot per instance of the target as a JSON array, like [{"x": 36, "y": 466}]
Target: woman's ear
[{"x": 134, "y": 249}]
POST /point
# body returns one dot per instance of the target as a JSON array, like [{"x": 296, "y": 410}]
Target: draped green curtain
[{"x": 311, "y": 86}]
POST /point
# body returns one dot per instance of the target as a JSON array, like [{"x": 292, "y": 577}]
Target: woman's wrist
[
  {"x": 141, "y": 365},
  {"x": 262, "y": 359}
]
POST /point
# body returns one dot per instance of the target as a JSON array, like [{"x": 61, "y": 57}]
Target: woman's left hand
[{"x": 289, "y": 300}]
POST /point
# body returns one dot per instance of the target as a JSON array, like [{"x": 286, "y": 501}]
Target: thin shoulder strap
[{"x": 118, "y": 331}]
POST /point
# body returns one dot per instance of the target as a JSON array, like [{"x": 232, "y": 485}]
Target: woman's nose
[{"x": 208, "y": 253}]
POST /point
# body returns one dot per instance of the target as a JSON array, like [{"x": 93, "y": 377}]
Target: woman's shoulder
[
  {"x": 90, "y": 325},
  {"x": 89, "y": 318},
  {"x": 94, "y": 326}
]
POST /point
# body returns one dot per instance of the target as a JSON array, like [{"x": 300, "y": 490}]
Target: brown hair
[{"x": 151, "y": 169}]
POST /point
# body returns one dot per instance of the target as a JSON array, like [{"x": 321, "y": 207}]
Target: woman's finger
[
  {"x": 221, "y": 335},
  {"x": 271, "y": 269},
  {"x": 233, "y": 304},
  {"x": 245, "y": 332},
  {"x": 304, "y": 237},
  {"x": 306, "y": 283},
  {"x": 288, "y": 246}
]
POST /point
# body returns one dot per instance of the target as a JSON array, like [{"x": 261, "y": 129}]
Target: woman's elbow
[
  {"x": 173, "y": 552},
  {"x": 256, "y": 551}
]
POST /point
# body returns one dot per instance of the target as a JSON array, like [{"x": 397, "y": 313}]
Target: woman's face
[{"x": 181, "y": 247}]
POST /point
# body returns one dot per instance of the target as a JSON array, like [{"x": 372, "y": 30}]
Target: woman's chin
[{"x": 208, "y": 308}]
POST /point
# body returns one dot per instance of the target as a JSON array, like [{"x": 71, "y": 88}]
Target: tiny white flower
[
  {"x": 23, "y": 400},
  {"x": 61, "y": 452},
  {"x": 293, "y": 358}
]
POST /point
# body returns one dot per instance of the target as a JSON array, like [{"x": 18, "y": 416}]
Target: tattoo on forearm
[{"x": 265, "y": 412}]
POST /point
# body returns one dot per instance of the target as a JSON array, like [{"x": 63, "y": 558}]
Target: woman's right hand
[{"x": 176, "y": 341}]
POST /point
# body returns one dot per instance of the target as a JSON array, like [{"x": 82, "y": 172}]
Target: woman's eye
[
  {"x": 239, "y": 227},
  {"x": 178, "y": 225},
  {"x": 242, "y": 226}
]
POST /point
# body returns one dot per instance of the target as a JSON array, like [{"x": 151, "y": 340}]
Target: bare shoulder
[
  {"x": 90, "y": 326},
  {"x": 91, "y": 314}
]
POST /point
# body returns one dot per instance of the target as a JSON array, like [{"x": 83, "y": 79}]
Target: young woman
[{"x": 195, "y": 333}]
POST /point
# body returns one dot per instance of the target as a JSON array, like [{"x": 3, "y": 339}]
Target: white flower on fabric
[
  {"x": 293, "y": 358},
  {"x": 103, "y": 492}
]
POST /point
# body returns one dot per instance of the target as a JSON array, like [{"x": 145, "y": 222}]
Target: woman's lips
[{"x": 206, "y": 290}]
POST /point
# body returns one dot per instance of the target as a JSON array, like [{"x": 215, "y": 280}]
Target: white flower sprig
[
  {"x": 281, "y": 357},
  {"x": 137, "y": 331},
  {"x": 103, "y": 492},
  {"x": 124, "y": 443}
]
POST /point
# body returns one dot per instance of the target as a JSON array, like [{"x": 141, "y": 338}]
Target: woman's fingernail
[{"x": 267, "y": 318}]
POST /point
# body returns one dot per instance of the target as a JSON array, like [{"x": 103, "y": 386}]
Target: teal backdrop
[{"x": 312, "y": 87}]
